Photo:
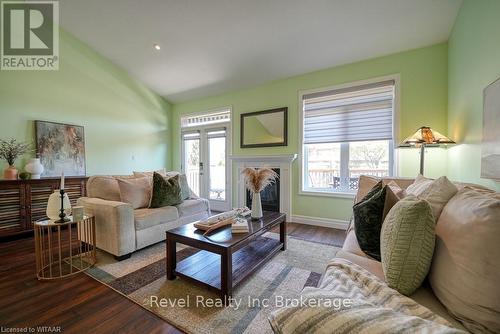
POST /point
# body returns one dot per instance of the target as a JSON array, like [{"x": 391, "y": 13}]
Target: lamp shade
[{"x": 426, "y": 136}]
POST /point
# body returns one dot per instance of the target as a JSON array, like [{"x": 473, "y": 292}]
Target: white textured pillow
[
  {"x": 419, "y": 185},
  {"x": 162, "y": 172},
  {"x": 437, "y": 192},
  {"x": 136, "y": 191}
]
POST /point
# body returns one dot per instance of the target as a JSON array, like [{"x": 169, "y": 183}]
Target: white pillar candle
[{"x": 62, "y": 181}]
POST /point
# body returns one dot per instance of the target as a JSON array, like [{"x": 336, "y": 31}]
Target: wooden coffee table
[{"x": 224, "y": 259}]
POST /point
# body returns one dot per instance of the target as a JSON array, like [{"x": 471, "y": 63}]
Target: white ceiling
[{"x": 212, "y": 46}]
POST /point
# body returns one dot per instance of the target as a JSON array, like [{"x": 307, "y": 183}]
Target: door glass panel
[
  {"x": 217, "y": 165},
  {"x": 192, "y": 163}
]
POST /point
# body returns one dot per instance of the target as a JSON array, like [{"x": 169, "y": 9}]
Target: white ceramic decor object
[
  {"x": 35, "y": 168},
  {"x": 256, "y": 206},
  {"x": 54, "y": 205}
]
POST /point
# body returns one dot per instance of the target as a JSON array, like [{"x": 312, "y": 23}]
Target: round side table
[{"x": 64, "y": 249}]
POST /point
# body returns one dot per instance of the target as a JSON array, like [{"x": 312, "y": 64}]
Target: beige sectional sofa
[
  {"x": 121, "y": 230},
  {"x": 465, "y": 270}
]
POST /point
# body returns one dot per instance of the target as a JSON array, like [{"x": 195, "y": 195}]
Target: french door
[{"x": 205, "y": 163}]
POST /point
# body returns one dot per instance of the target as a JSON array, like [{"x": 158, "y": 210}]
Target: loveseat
[
  {"x": 121, "y": 230},
  {"x": 465, "y": 270},
  {"x": 352, "y": 252}
]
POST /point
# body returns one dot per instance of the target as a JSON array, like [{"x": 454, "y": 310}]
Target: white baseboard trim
[{"x": 324, "y": 222}]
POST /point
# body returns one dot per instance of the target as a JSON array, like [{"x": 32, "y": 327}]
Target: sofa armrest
[{"x": 114, "y": 221}]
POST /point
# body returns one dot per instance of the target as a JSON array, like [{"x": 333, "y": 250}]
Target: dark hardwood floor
[
  {"x": 82, "y": 305},
  {"x": 324, "y": 235}
]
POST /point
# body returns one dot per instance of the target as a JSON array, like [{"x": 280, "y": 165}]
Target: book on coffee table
[{"x": 240, "y": 226}]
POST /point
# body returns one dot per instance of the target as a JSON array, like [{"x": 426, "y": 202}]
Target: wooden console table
[{"x": 25, "y": 201}]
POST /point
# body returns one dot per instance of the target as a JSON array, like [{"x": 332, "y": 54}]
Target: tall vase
[
  {"x": 35, "y": 168},
  {"x": 256, "y": 206},
  {"x": 10, "y": 173}
]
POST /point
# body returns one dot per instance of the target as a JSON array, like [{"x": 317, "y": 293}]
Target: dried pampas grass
[{"x": 257, "y": 180}]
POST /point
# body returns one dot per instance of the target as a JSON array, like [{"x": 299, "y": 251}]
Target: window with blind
[{"x": 347, "y": 132}]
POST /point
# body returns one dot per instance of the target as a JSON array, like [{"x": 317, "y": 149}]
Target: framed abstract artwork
[
  {"x": 490, "y": 155},
  {"x": 61, "y": 148}
]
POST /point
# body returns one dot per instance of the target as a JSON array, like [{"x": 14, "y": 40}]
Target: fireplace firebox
[{"x": 270, "y": 196}]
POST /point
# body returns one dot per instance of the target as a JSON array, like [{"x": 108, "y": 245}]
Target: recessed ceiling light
[{"x": 157, "y": 46}]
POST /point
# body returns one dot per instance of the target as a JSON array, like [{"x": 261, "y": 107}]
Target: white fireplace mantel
[{"x": 281, "y": 161}]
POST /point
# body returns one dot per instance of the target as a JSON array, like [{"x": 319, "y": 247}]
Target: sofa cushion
[
  {"x": 166, "y": 191},
  {"x": 185, "y": 190},
  {"x": 393, "y": 194},
  {"x": 368, "y": 220},
  {"x": 103, "y": 187},
  {"x": 407, "y": 244},
  {"x": 145, "y": 218},
  {"x": 425, "y": 297},
  {"x": 367, "y": 182},
  {"x": 465, "y": 271},
  {"x": 191, "y": 207},
  {"x": 373, "y": 266},
  {"x": 135, "y": 191},
  {"x": 437, "y": 192},
  {"x": 351, "y": 244},
  {"x": 162, "y": 172}
]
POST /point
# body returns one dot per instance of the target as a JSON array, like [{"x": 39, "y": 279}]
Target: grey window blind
[
  {"x": 216, "y": 133},
  {"x": 191, "y": 135},
  {"x": 358, "y": 113}
]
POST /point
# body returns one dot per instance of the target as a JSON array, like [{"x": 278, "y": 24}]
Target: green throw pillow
[
  {"x": 368, "y": 220},
  {"x": 407, "y": 244},
  {"x": 166, "y": 191},
  {"x": 185, "y": 190}
]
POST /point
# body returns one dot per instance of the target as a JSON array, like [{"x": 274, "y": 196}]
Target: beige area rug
[{"x": 185, "y": 305}]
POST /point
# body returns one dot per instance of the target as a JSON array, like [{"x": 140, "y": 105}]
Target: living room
[{"x": 250, "y": 166}]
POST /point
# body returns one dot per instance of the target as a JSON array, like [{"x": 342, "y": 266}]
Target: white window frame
[
  {"x": 395, "y": 130},
  {"x": 229, "y": 166}
]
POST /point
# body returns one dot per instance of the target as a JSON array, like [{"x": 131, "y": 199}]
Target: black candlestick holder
[{"x": 62, "y": 214}]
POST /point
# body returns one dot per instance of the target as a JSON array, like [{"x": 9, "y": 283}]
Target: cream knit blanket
[{"x": 352, "y": 300}]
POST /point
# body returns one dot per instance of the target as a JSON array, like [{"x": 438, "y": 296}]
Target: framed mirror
[{"x": 264, "y": 128}]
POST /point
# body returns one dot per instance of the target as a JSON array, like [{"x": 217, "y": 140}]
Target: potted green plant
[{"x": 10, "y": 150}]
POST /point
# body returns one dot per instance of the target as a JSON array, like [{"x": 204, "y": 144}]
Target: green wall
[
  {"x": 126, "y": 124},
  {"x": 424, "y": 82},
  {"x": 474, "y": 62}
]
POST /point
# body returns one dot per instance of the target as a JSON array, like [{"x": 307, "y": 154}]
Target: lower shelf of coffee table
[{"x": 205, "y": 267}]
